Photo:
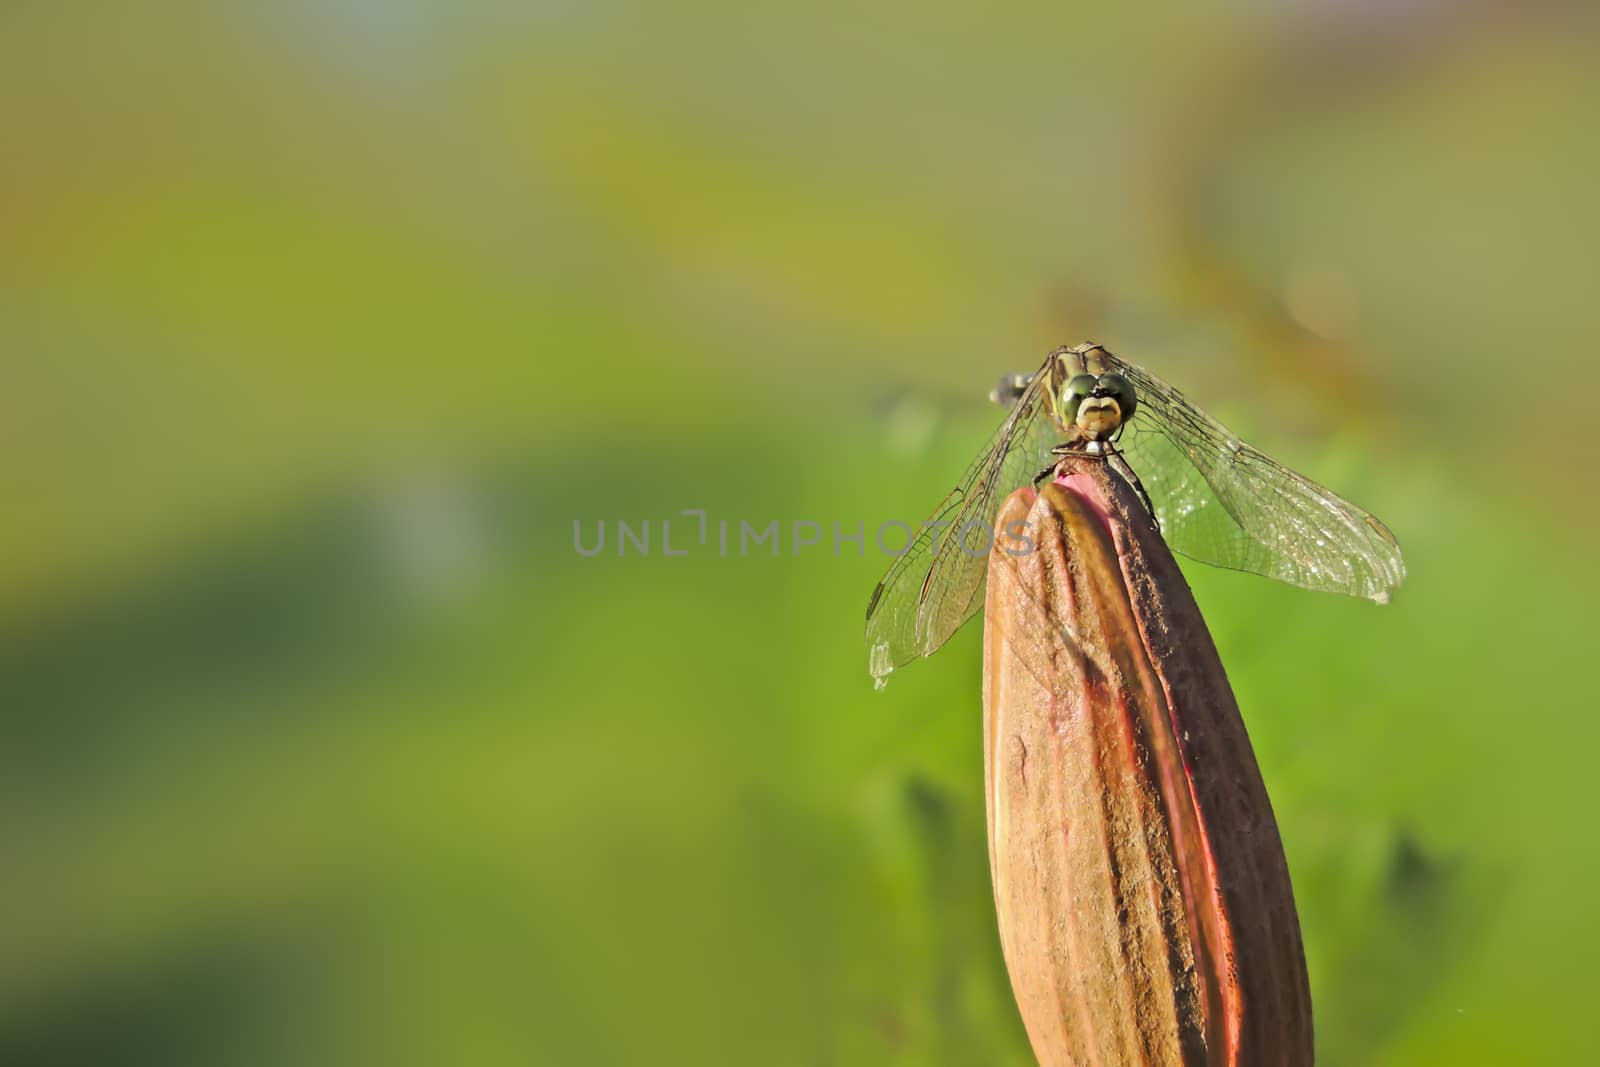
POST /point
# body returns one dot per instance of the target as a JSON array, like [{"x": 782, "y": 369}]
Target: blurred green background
[{"x": 322, "y": 323}]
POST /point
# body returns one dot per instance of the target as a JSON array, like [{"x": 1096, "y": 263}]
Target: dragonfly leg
[
  {"x": 1124, "y": 469},
  {"x": 1042, "y": 475},
  {"x": 1148, "y": 506}
]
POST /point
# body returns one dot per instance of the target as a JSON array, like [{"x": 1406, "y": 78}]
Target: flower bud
[{"x": 1144, "y": 903}]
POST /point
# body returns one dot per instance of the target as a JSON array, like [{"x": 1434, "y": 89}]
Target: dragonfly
[{"x": 1214, "y": 498}]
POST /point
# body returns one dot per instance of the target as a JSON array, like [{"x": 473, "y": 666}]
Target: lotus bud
[{"x": 1144, "y": 903}]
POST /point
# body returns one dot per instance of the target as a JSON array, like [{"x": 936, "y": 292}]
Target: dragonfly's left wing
[
  {"x": 938, "y": 583},
  {"x": 1223, "y": 502}
]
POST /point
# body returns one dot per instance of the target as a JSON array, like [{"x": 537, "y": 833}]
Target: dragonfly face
[
  {"x": 1215, "y": 498},
  {"x": 1095, "y": 407},
  {"x": 1088, "y": 400}
]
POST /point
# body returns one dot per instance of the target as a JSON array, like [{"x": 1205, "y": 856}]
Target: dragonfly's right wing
[
  {"x": 938, "y": 583},
  {"x": 1220, "y": 501}
]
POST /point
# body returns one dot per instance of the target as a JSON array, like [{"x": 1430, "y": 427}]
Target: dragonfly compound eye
[
  {"x": 1119, "y": 389},
  {"x": 1073, "y": 394}
]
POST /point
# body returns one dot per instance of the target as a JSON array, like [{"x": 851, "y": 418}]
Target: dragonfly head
[{"x": 1096, "y": 404}]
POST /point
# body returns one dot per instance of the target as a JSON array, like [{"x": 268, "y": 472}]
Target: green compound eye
[
  {"x": 1119, "y": 389},
  {"x": 1072, "y": 396}
]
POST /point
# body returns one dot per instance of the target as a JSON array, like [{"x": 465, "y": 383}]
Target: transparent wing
[
  {"x": 1222, "y": 502},
  {"x": 938, "y": 583}
]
